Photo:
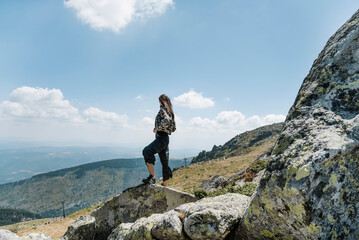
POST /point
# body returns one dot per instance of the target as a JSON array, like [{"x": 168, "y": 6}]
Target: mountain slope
[
  {"x": 240, "y": 144},
  {"x": 79, "y": 186}
]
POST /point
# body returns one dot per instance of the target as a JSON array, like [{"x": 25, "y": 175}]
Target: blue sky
[{"x": 76, "y": 72}]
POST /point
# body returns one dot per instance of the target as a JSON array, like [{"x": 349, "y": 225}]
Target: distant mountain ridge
[
  {"x": 239, "y": 144},
  {"x": 79, "y": 186}
]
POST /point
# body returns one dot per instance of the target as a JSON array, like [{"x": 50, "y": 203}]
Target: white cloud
[
  {"x": 35, "y": 104},
  {"x": 193, "y": 99},
  {"x": 148, "y": 120},
  {"x": 115, "y": 15},
  {"x": 139, "y": 98},
  {"x": 234, "y": 121},
  {"x": 28, "y": 102},
  {"x": 41, "y": 114},
  {"x": 95, "y": 115}
]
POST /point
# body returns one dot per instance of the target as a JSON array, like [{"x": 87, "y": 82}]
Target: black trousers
[{"x": 160, "y": 146}]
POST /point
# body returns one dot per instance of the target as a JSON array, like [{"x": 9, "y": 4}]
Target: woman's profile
[{"x": 164, "y": 125}]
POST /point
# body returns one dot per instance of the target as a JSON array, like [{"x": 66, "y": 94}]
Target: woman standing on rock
[{"x": 164, "y": 125}]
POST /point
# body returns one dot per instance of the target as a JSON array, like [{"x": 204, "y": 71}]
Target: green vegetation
[
  {"x": 247, "y": 189},
  {"x": 10, "y": 216},
  {"x": 257, "y": 166}
]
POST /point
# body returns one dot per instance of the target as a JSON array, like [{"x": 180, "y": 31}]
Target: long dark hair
[{"x": 165, "y": 101}]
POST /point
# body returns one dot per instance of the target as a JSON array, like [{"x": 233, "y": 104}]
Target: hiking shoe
[{"x": 149, "y": 180}]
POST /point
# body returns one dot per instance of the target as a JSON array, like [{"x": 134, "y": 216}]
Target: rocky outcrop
[
  {"x": 311, "y": 187},
  {"x": 169, "y": 227},
  {"x": 240, "y": 144},
  {"x": 36, "y": 236},
  {"x": 216, "y": 182},
  {"x": 127, "y": 207},
  {"x": 210, "y": 218},
  {"x": 8, "y": 235},
  {"x": 82, "y": 229}
]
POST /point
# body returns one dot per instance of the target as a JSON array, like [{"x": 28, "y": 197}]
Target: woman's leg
[
  {"x": 151, "y": 169},
  {"x": 149, "y": 154},
  {"x": 166, "y": 170}
]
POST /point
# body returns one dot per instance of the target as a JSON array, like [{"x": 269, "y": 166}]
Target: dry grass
[
  {"x": 55, "y": 228},
  {"x": 18, "y": 227},
  {"x": 191, "y": 177}
]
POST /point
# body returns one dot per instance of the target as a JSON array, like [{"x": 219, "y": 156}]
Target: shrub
[
  {"x": 248, "y": 176},
  {"x": 200, "y": 193},
  {"x": 247, "y": 189},
  {"x": 257, "y": 166}
]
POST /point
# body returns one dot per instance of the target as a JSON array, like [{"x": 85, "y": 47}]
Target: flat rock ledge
[
  {"x": 132, "y": 204},
  {"x": 209, "y": 218}
]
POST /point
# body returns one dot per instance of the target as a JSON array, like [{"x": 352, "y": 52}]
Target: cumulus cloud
[
  {"x": 193, "y": 99},
  {"x": 139, "y": 98},
  {"x": 29, "y": 102},
  {"x": 38, "y": 103},
  {"x": 148, "y": 120},
  {"x": 95, "y": 115},
  {"x": 115, "y": 15},
  {"x": 234, "y": 120}
]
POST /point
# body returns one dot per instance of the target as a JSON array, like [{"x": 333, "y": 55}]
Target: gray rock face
[
  {"x": 8, "y": 235},
  {"x": 216, "y": 182},
  {"x": 213, "y": 218},
  {"x": 169, "y": 227},
  {"x": 36, "y": 236},
  {"x": 82, "y": 229},
  {"x": 141, "y": 229},
  {"x": 127, "y": 207},
  {"x": 209, "y": 218},
  {"x": 311, "y": 187}
]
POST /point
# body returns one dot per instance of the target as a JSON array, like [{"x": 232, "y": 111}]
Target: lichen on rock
[{"x": 311, "y": 186}]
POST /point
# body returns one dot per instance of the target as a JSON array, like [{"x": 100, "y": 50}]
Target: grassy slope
[
  {"x": 184, "y": 179},
  {"x": 191, "y": 177},
  {"x": 55, "y": 228}
]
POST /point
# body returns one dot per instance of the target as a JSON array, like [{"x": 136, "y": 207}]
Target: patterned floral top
[{"x": 164, "y": 122}]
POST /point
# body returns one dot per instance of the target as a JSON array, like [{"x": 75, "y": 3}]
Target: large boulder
[
  {"x": 132, "y": 204},
  {"x": 214, "y": 217},
  {"x": 82, "y": 229},
  {"x": 169, "y": 227},
  {"x": 36, "y": 236},
  {"x": 311, "y": 186},
  {"x": 8, "y": 235},
  {"x": 217, "y": 182},
  {"x": 207, "y": 219},
  {"x": 141, "y": 229}
]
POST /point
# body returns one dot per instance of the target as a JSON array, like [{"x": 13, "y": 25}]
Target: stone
[
  {"x": 141, "y": 229},
  {"x": 310, "y": 189},
  {"x": 36, "y": 236},
  {"x": 217, "y": 182},
  {"x": 169, "y": 227},
  {"x": 82, "y": 229},
  {"x": 8, "y": 235},
  {"x": 132, "y": 204},
  {"x": 214, "y": 217}
]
